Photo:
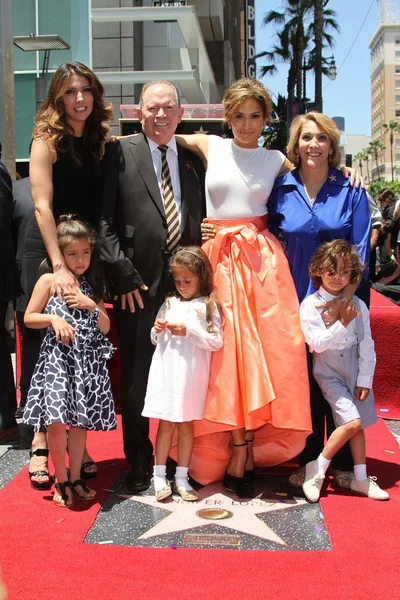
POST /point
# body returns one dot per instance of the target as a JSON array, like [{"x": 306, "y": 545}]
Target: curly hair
[
  {"x": 50, "y": 122},
  {"x": 325, "y": 260},
  {"x": 195, "y": 260},
  {"x": 244, "y": 89},
  {"x": 326, "y": 124}
]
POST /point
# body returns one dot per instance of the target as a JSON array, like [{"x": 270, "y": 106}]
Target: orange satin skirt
[{"x": 258, "y": 380}]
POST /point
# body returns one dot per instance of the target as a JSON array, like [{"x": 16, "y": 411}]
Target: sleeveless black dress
[{"x": 76, "y": 190}]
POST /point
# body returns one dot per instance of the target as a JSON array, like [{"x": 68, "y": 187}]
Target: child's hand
[
  {"x": 76, "y": 299},
  {"x": 177, "y": 328},
  {"x": 348, "y": 313},
  {"x": 160, "y": 325},
  {"x": 361, "y": 393},
  {"x": 65, "y": 333}
]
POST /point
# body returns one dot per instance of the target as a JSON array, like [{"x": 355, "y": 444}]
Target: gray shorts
[{"x": 336, "y": 373}]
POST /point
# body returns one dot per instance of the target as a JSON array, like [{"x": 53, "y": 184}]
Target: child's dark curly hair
[{"x": 325, "y": 260}]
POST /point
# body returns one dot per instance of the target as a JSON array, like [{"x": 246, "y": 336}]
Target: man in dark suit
[
  {"x": 9, "y": 290},
  {"x": 136, "y": 246},
  {"x": 23, "y": 215}
]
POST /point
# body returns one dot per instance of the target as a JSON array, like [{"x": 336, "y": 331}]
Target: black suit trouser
[
  {"x": 136, "y": 351},
  {"x": 31, "y": 342},
  {"x": 8, "y": 399}
]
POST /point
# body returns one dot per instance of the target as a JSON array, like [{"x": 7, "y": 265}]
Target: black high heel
[
  {"x": 39, "y": 485},
  {"x": 231, "y": 482},
  {"x": 249, "y": 474}
]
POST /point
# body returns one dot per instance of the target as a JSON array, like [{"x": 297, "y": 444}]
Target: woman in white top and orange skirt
[{"x": 258, "y": 395}]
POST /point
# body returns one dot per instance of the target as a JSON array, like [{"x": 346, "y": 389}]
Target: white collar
[
  {"x": 171, "y": 144},
  {"x": 326, "y": 295}
]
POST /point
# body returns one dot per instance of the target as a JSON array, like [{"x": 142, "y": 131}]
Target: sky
[{"x": 349, "y": 96}]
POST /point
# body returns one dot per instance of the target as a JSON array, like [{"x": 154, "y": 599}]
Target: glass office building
[
  {"x": 199, "y": 45},
  {"x": 67, "y": 18}
]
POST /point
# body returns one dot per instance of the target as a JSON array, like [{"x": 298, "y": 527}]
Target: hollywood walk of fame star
[
  {"x": 332, "y": 177},
  {"x": 201, "y": 130},
  {"x": 182, "y": 515}
]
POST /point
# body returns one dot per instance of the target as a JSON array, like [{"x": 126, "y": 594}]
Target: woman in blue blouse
[{"x": 310, "y": 205}]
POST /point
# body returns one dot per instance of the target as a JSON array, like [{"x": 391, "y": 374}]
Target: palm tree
[
  {"x": 281, "y": 52},
  {"x": 275, "y": 133},
  {"x": 365, "y": 156},
  {"x": 393, "y": 127},
  {"x": 294, "y": 39},
  {"x": 374, "y": 148},
  {"x": 359, "y": 157},
  {"x": 324, "y": 18}
]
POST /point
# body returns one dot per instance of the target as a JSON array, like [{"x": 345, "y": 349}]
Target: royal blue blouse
[{"x": 340, "y": 211}]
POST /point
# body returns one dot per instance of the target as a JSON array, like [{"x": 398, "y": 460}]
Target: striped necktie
[{"x": 170, "y": 208}]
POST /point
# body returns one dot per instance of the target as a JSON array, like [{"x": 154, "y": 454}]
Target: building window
[
  {"x": 397, "y": 70},
  {"x": 397, "y": 99},
  {"x": 397, "y": 39},
  {"x": 397, "y": 55},
  {"x": 397, "y": 84},
  {"x": 398, "y": 143},
  {"x": 397, "y": 113}
]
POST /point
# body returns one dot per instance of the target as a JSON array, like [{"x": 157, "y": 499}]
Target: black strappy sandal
[
  {"x": 39, "y": 485},
  {"x": 85, "y": 489},
  {"x": 85, "y": 474},
  {"x": 61, "y": 487}
]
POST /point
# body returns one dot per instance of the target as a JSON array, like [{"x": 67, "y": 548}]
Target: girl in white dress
[{"x": 187, "y": 329}]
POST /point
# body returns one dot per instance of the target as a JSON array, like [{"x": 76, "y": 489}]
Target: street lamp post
[{"x": 35, "y": 43}]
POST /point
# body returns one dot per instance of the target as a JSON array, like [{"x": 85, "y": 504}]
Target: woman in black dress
[{"x": 71, "y": 128}]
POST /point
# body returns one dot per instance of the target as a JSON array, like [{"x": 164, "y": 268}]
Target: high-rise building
[
  {"x": 200, "y": 45},
  {"x": 385, "y": 86}
]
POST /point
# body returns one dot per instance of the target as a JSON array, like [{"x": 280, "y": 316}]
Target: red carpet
[
  {"x": 42, "y": 554},
  {"x": 385, "y": 326}
]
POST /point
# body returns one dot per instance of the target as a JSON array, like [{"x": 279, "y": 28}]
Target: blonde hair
[
  {"x": 244, "y": 89},
  {"x": 195, "y": 260},
  {"x": 326, "y": 124}
]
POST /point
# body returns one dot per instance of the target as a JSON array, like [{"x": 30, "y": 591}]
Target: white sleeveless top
[{"x": 239, "y": 180}]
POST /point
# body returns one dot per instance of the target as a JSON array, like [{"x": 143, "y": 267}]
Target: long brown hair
[
  {"x": 195, "y": 260},
  {"x": 51, "y": 125}
]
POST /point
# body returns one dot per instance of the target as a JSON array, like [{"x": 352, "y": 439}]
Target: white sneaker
[
  {"x": 313, "y": 482},
  {"x": 369, "y": 488}
]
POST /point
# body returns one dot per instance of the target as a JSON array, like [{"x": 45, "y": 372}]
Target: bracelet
[{"x": 343, "y": 299}]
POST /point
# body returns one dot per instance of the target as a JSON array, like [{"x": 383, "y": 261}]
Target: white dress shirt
[
  {"x": 338, "y": 337},
  {"x": 172, "y": 159}
]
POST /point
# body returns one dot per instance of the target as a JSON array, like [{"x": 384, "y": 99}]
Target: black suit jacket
[
  {"x": 23, "y": 216},
  {"x": 9, "y": 280},
  {"x": 133, "y": 227}
]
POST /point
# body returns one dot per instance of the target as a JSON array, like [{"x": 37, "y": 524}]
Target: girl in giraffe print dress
[{"x": 70, "y": 386}]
